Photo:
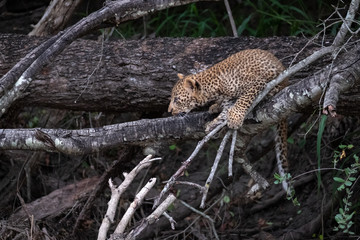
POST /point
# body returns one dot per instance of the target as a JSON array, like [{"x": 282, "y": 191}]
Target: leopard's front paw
[
  {"x": 234, "y": 119},
  {"x": 216, "y": 122},
  {"x": 215, "y": 108}
]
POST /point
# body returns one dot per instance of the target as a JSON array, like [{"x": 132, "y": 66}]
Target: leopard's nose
[{"x": 170, "y": 109}]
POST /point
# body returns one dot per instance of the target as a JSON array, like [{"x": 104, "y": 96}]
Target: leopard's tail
[{"x": 281, "y": 152}]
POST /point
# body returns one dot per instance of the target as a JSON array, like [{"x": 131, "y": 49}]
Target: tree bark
[
  {"x": 55, "y": 17},
  {"x": 90, "y": 140},
  {"x": 293, "y": 98},
  {"x": 124, "y": 76}
]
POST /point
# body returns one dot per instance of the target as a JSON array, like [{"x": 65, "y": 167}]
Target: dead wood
[
  {"x": 138, "y": 75},
  {"x": 90, "y": 140},
  {"x": 56, "y": 202},
  {"x": 55, "y": 17},
  {"x": 129, "y": 75}
]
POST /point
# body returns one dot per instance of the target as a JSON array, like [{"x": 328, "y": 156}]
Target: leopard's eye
[{"x": 176, "y": 99}]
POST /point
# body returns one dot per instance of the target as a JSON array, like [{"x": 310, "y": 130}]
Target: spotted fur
[{"x": 240, "y": 77}]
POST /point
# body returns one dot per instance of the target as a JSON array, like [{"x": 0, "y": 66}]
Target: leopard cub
[{"x": 240, "y": 77}]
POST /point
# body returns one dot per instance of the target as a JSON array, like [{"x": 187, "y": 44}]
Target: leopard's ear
[
  {"x": 192, "y": 86},
  {"x": 180, "y": 76}
]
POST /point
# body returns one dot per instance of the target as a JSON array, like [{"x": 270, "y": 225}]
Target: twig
[
  {"x": 214, "y": 167},
  {"x": 313, "y": 57},
  {"x": 185, "y": 164},
  {"x": 112, "y": 171},
  {"x": 335, "y": 86},
  {"x": 211, "y": 221},
  {"x": 198, "y": 217},
  {"x": 116, "y": 194},
  {"x": 154, "y": 216},
  {"x": 201, "y": 188},
  {"x": 133, "y": 206},
  {"x": 232, "y": 22},
  {"x": 345, "y": 26},
  {"x": 253, "y": 174},
  {"x": 231, "y": 154},
  {"x": 280, "y": 195},
  {"x": 171, "y": 220}
]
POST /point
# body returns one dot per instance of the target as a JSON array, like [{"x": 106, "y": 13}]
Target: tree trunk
[
  {"x": 125, "y": 76},
  {"x": 55, "y": 17}
]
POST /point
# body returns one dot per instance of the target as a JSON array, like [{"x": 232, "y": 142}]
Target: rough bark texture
[
  {"x": 57, "y": 201},
  {"x": 55, "y": 17},
  {"x": 138, "y": 82},
  {"x": 113, "y": 11},
  {"x": 77, "y": 142},
  {"x": 131, "y": 75}
]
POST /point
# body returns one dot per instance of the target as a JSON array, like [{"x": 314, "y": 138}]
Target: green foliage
[
  {"x": 322, "y": 125},
  {"x": 226, "y": 199},
  {"x": 259, "y": 18},
  {"x": 192, "y": 22},
  {"x": 290, "y": 195},
  {"x": 172, "y": 147},
  {"x": 320, "y": 236},
  {"x": 276, "y": 17},
  {"x": 345, "y": 214},
  {"x": 33, "y": 122}
]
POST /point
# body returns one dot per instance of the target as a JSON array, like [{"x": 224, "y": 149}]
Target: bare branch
[
  {"x": 153, "y": 217},
  {"x": 345, "y": 26},
  {"x": 133, "y": 206},
  {"x": 211, "y": 221},
  {"x": 313, "y": 57},
  {"x": 232, "y": 22},
  {"x": 77, "y": 142},
  {"x": 116, "y": 194},
  {"x": 214, "y": 167},
  {"x": 185, "y": 164},
  {"x": 231, "y": 154}
]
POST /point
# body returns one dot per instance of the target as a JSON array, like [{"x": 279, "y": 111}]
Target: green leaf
[
  {"x": 243, "y": 25},
  {"x": 290, "y": 140},
  {"x": 340, "y": 180},
  {"x": 341, "y": 211},
  {"x": 322, "y": 125},
  {"x": 226, "y": 199},
  {"x": 348, "y": 183},
  {"x": 352, "y": 179},
  {"x": 172, "y": 147}
]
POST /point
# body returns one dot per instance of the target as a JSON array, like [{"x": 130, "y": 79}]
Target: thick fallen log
[
  {"x": 127, "y": 76},
  {"x": 294, "y": 98}
]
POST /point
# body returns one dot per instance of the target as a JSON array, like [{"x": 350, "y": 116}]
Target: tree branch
[{"x": 90, "y": 140}]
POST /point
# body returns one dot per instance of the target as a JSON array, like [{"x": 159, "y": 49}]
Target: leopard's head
[{"x": 185, "y": 95}]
